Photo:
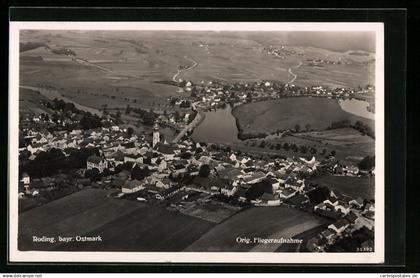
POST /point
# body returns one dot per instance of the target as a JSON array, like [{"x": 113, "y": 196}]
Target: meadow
[
  {"x": 286, "y": 113},
  {"x": 348, "y": 143},
  {"x": 29, "y": 103}
]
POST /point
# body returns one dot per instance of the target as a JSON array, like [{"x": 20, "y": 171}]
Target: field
[
  {"x": 351, "y": 186},
  {"x": 348, "y": 143},
  {"x": 269, "y": 116},
  {"x": 212, "y": 211},
  {"x": 122, "y": 224},
  {"x": 264, "y": 222},
  {"x": 125, "y": 66},
  {"x": 29, "y": 103},
  {"x": 335, "y": 75}
]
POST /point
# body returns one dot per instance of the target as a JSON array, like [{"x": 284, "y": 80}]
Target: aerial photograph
[{"x": 196, "y": 141}]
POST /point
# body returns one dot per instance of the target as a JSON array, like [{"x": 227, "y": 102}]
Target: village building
[
  {"x": 269, "y": 199},
  {"x": 96, "y": 162},
  {"x": 131, "y": 186},
  {"x": 228, "y": 189},
  {"x": 135, "y": 158},
  {"x": 297, "y": 200},
  {"x": 342, "y": 208},
  {"x": 357, "y": 203},
  {"x": 156, "y": 135},
  {"x": 329, "y": 235},
  {"x": 287, "y": 193},
  {"x": 26, "y": 179},
  {"x": 339, "y": 226},
  {"x": 168, "y": 151}
]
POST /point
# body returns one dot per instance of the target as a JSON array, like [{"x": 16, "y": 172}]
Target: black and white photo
[{"x": 197, "y": 142}]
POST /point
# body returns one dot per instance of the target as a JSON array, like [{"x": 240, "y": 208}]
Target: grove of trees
[
  {"x": 367, "y": 163},
  {"x": 204, "y": 171}
]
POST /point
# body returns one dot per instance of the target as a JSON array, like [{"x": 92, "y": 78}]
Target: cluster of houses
[
  {"x": 231, "y": 174},
  {"x": 280, "y": 52},
  {"x": 349, "y": 215},
  {"x": 320, "y": 62},
  {"x": 214, "y": 95}
]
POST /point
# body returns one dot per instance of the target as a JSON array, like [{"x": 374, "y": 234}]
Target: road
[
  {"x": 293, "y": 74},
  {"x": 88, "y": 63},
  {"x": 174, "y": 78},
  {"x": 197, "y": 120}
]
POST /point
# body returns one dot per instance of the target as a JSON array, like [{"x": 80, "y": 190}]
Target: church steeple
[{"x": 156, "y": 135}]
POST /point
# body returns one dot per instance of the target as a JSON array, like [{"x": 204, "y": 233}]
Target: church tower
[{"x": 156, "y": 135}]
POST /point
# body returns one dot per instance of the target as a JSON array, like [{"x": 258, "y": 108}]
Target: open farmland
[
  {"x": 122, "y": 224},
  {"x": 264, "y": 222},
  {"x": 351, "y": 186},
  {"x": 269, "y": 116},
  {"x": 334, "y": 76},
  {"x": 149, "y": 229},
  {"x": 348, "y": 143},
  {"x": 212, "y": 211},
  {"x": 120, "y": 68},
  {"x": 29, "y": 103}
]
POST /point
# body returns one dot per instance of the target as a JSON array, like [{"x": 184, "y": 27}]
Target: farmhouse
[
  {"x": 168, "y": 151},
  {"x": 342, "y": 207},
  {"x": 254, "y": 177},
  {"x": 287, "y": 193},
  {"x": 269, "y": 199},
  {"x": 227, "y": 189},
  {"x": 357, "y": 203},
  {"x": 96, "y": 162},
  {"x": 131, "y": 186},
  {"x": 297, "y": 200},
  {"x": 329, "y": 235},
  {"x": 339, "y": 226},
  {"x": 26, "y": 179},
  {"x": 136, "y": 158}
]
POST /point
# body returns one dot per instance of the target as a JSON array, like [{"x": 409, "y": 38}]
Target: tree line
[{"x": 365, "y": 129}]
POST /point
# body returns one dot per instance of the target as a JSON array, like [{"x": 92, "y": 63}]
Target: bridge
[{"x": 197, "y": 120}]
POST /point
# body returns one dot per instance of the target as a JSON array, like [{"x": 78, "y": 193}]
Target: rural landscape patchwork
[{"x": 196, "y": 141}]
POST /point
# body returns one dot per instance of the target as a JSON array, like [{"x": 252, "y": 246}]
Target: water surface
[
  {"x": 217, "y": 127},
  {"x": 357, "y": 107}
]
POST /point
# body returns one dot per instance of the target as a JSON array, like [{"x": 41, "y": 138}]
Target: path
[
  {"x": 179, "y": 71},
  {"x": 88, "y": 63},
  {"x": 294, "y": 75}
]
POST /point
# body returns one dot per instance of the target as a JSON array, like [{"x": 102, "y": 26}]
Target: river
[
  {"x": 357, "y": 107},
  {"x": 217, "y": 127},
  {"x": 220, "y": 126}
]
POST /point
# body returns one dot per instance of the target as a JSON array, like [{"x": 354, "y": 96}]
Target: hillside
[{"x": 127, "y": 65}]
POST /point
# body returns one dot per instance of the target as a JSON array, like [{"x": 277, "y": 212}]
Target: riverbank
[
  {"x": 216, "y": 127},
  {"x": 258, "y": 119},
  {"x": 199, "y": 118},
  {"x": 357, "y": 107}
]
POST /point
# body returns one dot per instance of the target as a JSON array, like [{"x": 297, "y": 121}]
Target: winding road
[
  {"x": 293, "y": 74},
  {"x": 179, "y": 71}
]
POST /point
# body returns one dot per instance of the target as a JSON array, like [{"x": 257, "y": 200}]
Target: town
[{"x": 75, "y": 150}]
